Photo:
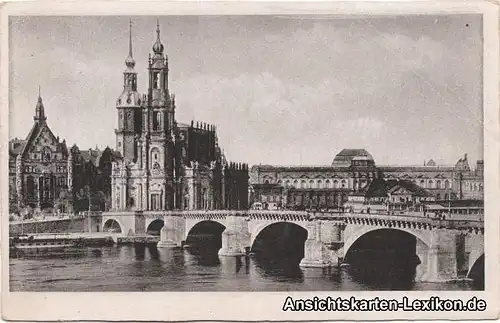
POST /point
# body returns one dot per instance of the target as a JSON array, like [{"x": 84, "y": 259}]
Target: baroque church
[{"x": 166, "y": 164}]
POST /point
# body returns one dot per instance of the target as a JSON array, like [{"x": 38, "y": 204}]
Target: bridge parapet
[
  {"x": 415, "y": 222},
  {"x": 277, "y": 215},
  {"x": 281, "y": 215},
  {"x": 204, "y": 213}
]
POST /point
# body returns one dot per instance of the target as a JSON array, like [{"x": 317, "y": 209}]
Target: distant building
[
  {"x": 164, "y": 164},
  {"x": 351, "y": 171},
  {"x": 389, "y": 195},
  {"x": 43, "y": 174}
]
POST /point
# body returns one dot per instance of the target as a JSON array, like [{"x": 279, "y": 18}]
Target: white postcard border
[{"x": 253, "y": 306}]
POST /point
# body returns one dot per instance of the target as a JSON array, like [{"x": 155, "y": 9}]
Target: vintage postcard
[{"x": 250, "y": 161}]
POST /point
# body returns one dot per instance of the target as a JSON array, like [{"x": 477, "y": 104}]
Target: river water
[{"x": 144, "y": 268}]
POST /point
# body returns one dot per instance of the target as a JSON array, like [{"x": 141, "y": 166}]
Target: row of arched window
[
  {"x": 312, "y": 183},
  {"x": 473, "y": 186},
  {"x": 343, "y": 183},
  {"x": 438, "y": 184}
]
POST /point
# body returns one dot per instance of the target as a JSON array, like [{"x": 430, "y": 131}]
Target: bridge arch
[
  {"x": 387, "y": 257},
  {"x": 112, "y": 224},
  {"x": 283, "y": 238},
  {"x": 257, "y": 227},
  {"x": 155, "y": 226},
  {"x": 204, "y": 236},
  {"x": 474, "y": 265},
  {"x": 190, "y": 224},
  {"x": 353, "y": 236}
]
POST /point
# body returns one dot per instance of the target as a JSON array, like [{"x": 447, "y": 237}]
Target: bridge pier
[
  {"x": 235, "y": 238},
  {"x": 172, "y": 233},
  {"x": 317, "y": 248},
  {"x": 438, "y": 261}
]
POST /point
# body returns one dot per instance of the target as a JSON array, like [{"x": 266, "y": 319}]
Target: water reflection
[
  {"x": 286, "y": 269},
  {"x": 146, "y": 268}
]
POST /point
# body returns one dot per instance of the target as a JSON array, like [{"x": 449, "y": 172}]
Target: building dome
[
  {"x": 344, "y": 157},
  {"x": 362, "y": 158},
  {"x": 129, "y": 99},
  {"x": 158, "y": 47}
]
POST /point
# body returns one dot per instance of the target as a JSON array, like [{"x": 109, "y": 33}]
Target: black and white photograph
[{"x": 246, "y": 153}]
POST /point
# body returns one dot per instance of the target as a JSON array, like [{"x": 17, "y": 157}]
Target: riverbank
[{"x": 98, "y": 239}]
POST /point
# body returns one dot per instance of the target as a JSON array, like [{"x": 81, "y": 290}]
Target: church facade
[
  {"x": 165, "y": 164},
  {"x": 350, "y": 175}
]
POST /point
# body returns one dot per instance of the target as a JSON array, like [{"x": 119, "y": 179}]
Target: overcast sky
[{"x": 281, "y": 90}]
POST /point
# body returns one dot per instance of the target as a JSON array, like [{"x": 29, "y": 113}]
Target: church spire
[
  {"x": 39, "y": 110},
  {"x": 130, "y": 76},
  {"x": 130, "y": 62},
  {"x": 130, "y": 39}
]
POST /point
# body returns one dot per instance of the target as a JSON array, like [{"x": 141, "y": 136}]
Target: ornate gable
[{"x": 42, "y": 144}]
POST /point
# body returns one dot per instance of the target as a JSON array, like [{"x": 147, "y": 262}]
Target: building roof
[
  {"x": 344, "y": 157},
  {"x": 381, "y": 187},
  {"x": 297, "y": 168},
  {"x": 16, "y": 146},
  {"x": 415, "y": 168},
  {"x": 94, "y": 155}
]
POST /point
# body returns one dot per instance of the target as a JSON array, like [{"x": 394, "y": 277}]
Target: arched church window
[
  {"x": 154, "y": 156},
  {"x": 311, "y": 184},
  {"x": 303, "y": 184},
  {"x": 296, "y": 183},
  {"x": 335, "y": 184},
  {"x": 327, "y": 183},
  {"x": 446, "y": 184},
  {"x": 156, "y": 120},
  {"x": 320, "y": 184},
  {"x": 422, "y": 183},
  {"x": 431, "y": 184},
  {"x": 438, "y": 184},
  {"x": 343, "y": 183},
  {"x": 156, "y": 80}
]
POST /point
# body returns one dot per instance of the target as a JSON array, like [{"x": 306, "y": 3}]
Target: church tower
[
  {"x": 129, "y": 110},
  {"x": 157, "y": 141}
]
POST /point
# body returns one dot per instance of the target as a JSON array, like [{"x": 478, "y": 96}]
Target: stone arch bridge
[{"x": 446, "y": 248}]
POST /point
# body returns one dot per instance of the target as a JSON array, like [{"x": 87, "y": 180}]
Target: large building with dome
[
  {"x": 166, "y": 164},
  {"x": 354, "y": 173}
]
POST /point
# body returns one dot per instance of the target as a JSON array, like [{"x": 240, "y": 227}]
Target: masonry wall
[{"x": 57, "y": 226}]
